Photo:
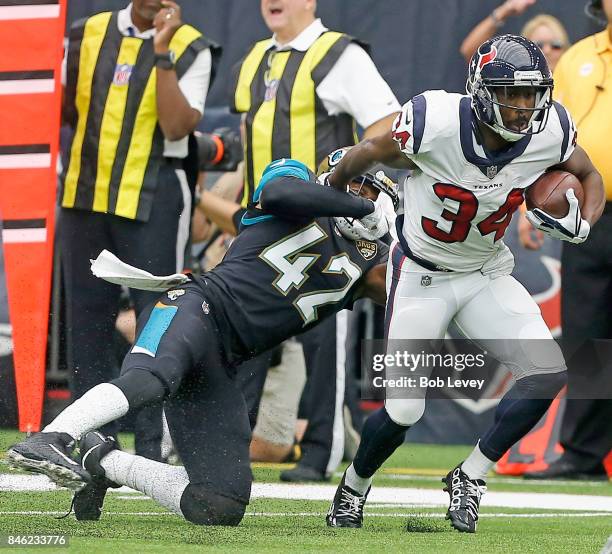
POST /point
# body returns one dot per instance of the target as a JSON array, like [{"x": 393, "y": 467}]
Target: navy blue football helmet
[{"x": 499, "y": 64}]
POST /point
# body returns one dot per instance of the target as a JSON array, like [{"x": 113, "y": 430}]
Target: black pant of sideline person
[
  {"x": 157, "y": 245},
  {"x": 322, "y": 400}
]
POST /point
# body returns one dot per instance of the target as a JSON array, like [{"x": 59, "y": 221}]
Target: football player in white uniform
[{"x": 472, "y": 157}]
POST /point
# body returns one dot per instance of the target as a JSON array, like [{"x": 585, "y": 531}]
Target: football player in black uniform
[{"x": 290, "y": 267}]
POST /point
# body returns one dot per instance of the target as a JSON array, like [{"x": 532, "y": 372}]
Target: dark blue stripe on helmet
[
  {"x": 419, "y": 107},
  {"x": 565, "y": 125}
]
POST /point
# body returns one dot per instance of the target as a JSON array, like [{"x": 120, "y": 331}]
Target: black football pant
[
  {"x": 158, "y": 246},
  {"x": 179, "y": 347},
  {"x": 586, "y": 295}
]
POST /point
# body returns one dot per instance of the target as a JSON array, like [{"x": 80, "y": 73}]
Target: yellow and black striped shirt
[
  {"x": 284, "y": 115},
  {"x": 118, "y": 145}
]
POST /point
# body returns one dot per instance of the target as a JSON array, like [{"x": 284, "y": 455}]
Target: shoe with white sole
[{"x": 51, "y": 455}]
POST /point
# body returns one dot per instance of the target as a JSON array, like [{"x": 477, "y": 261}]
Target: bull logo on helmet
[{"x": 484, "y": 59}]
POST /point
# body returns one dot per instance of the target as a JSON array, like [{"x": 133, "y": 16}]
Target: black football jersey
[{"x": 280, "y": 277}]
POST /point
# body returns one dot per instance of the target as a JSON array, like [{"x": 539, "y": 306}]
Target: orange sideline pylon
[{"x": 31, "y": 36}]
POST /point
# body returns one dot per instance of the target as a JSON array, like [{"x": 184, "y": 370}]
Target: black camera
[{"x": 220, "y": 150}]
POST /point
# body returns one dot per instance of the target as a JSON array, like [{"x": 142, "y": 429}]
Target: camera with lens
[{"x": 220, "y": 150}]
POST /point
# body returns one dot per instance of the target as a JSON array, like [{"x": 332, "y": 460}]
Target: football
[{"x": 548, "y": 193}]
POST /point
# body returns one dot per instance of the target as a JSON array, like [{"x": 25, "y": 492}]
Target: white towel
[{"x": 110, "y": 268}]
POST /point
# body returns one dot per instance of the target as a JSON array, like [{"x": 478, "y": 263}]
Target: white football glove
[
  {"x": 571, "y": 228},
  {"x": 370, "y": 227}
]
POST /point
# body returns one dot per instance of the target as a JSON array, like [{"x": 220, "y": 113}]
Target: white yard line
[
  {"x": 495, "y": 480},
  {"x": 395, "y": 495},
  {"x": 385, "y": 495},
  {"x": 322, "y": 514}
]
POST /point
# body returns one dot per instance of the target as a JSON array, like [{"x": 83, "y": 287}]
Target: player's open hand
[{"x": 166, "y": 23}]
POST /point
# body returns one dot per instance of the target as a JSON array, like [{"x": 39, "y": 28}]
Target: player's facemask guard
[
  {"x": 537, "y": 117},
  {"x": 354, "y": 229},
  {"x": 376, "y": 224},
  {"x": 376, "y": 178},
  {"x": 378, "y": 181}
]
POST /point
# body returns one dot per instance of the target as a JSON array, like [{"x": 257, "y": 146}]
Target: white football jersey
[{"x": 460, "y": 200}]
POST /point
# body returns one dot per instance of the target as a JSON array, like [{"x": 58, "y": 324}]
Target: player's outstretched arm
[
  {"x": 292, "y": 197},
  {"x": 363, "y": 156},
  {"x": 581, "y": 166}
]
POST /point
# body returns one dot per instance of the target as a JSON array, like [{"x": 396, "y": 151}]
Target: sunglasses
[{"x": 554, "y": 44}]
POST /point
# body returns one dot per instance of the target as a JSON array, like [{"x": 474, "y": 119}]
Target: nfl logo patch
[
  {"x": 425, "y": 280},
  {"x": 123, "y": 72},
  {"x": 491, "y": 171}
]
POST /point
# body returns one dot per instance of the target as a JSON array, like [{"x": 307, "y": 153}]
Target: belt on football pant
[{"x": 399, "y": 224}]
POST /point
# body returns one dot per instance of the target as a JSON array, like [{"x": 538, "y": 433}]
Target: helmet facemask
[{"x": 536, "y": 116}]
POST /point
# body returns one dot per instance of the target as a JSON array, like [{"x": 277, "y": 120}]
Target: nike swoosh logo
[
  {"x": 88, "y": 453},
  {"x": 69, "y": 460}
]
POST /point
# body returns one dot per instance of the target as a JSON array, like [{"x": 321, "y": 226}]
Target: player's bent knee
[
  {"x": 204, "y": 507},
  {"x": 140, "y": 387},
  {"x": 405, "y": 411}
]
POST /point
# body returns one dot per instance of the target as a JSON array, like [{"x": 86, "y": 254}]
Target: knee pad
[
  {"x": 543, "y": 386},
  {"x": 405, "y": 411},
  {"x": 140, "y": 387},
  {"x": 201, "y": 506}
]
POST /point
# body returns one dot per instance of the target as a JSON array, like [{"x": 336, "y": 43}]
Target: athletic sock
[
  {"x": 379, "y": 439},
  {"x": 358, "y": 484},
  {"x": 98, "y": 406},
  {"x": 163, "y": 483},
  {"x": 477, "y": 465}
]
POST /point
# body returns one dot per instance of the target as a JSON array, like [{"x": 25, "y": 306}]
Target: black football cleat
[
  {"x": 346, "y": 509},
  {"x": 303, "y": 474},
  {"x": 87, "y": 503},
  {"x": 50, "y": 454},
  {"x": 465, "y": 494}
]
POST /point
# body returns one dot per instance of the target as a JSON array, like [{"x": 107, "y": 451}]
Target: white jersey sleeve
[
  {"x": 416, "y": 128},
  {"x": 565, "y": 130}
]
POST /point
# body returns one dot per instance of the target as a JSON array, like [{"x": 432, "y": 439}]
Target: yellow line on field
[{"x": 267, "y": 465}]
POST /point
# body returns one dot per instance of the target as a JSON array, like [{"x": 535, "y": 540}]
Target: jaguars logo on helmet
[
  {"x": 503, "y": 63},
  {"x": 332, "y": 160}
]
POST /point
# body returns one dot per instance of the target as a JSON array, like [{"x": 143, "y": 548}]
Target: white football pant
[{"x": 488, "y": 310}]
